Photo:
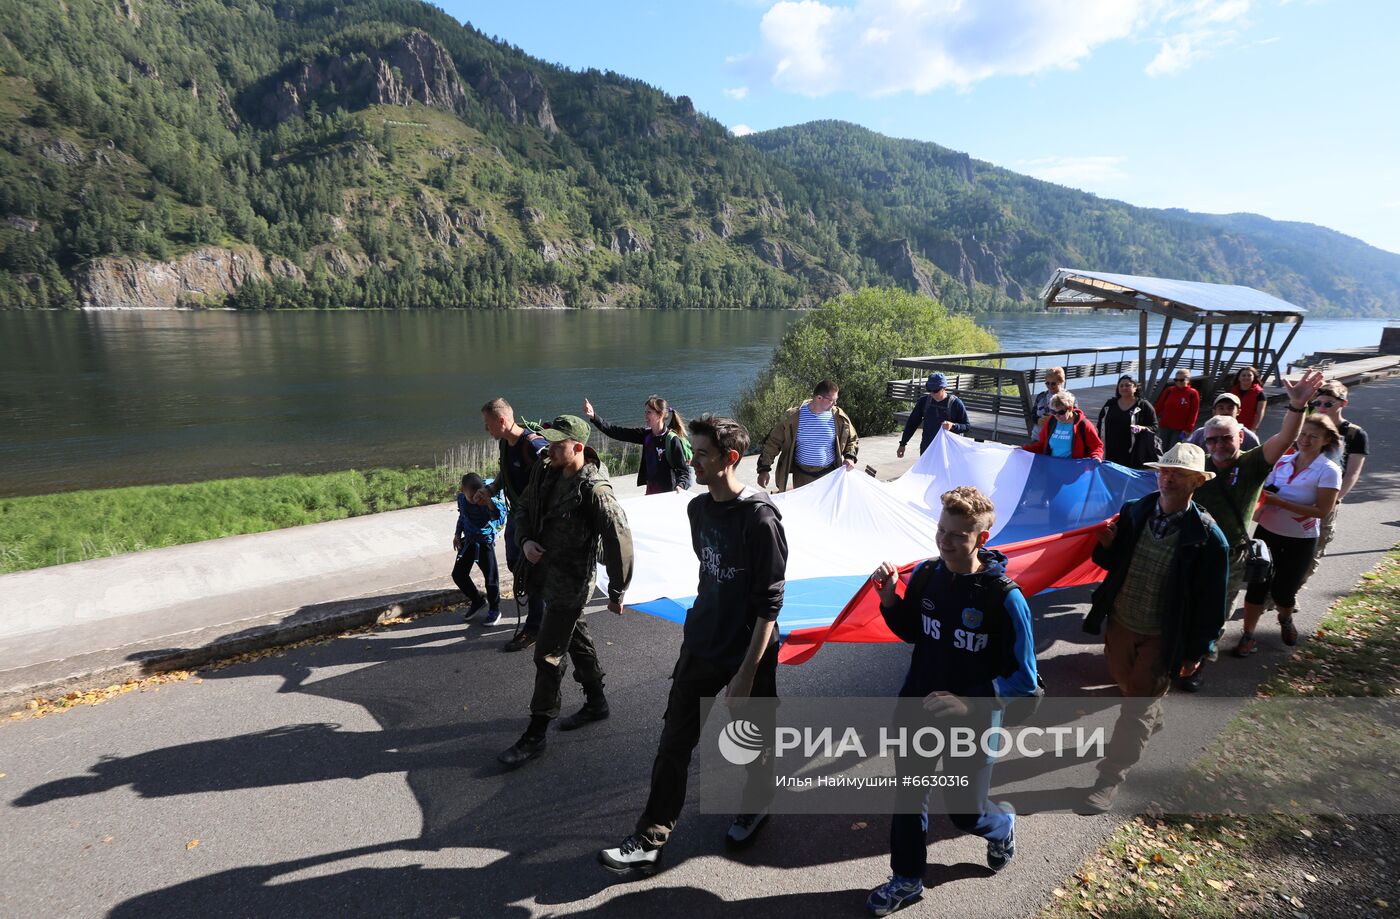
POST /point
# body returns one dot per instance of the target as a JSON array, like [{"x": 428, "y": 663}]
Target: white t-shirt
[{"x": 1300, "y": 488}]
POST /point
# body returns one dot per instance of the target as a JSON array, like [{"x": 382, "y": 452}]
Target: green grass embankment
[{"x": 73, "y": 526}]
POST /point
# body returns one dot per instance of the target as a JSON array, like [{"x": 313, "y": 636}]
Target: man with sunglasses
[
  {"x": 1232, "y": 496},
  {"x": 1330, "y": 401}
]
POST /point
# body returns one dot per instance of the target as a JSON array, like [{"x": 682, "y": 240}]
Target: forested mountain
[
  {"x": 328, "y": 153},
  {"x": 992, "y": 226}
]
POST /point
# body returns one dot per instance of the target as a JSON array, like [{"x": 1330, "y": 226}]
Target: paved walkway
[
  {"x": 96, "y": 622},
  {"x": 358, "y": 777}
]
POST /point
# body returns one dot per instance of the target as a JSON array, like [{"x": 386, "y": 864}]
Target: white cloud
[
  {"x": 881, "y": 47},
  {"x": 1176, "y": 54},
  {"x": 1077, "y": 171},
  {"x": 738, "y": 92},
  {"x": 741, "y": 130},
  {"x": 1206, "y": 26}
]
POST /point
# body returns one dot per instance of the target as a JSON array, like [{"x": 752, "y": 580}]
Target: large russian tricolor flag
[{"x": 843, "y": 525}]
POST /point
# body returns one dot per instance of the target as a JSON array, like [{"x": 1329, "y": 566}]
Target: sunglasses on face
[
  {"x": 1221, "y": 439},
  {"x": 1323, "y": 403},
  {"x": 1064, "y": 411}
]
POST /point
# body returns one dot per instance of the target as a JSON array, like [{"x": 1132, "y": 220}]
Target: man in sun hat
[
  {"x": 1167, "y": 564},
  {"x": 569, "y": 510}
]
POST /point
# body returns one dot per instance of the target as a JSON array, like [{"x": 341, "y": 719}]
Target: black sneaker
[
  {"x": 520, "y": 641},
  {"x": 744, "y": 830},
  {"x": 476, "y": 606},
  {"x": 1001, "y": 851},
  {"x": 632, "y": 855},
  {"x": 523, "y": 750},
  {"x": 593, "y": 710},
  {"x": 1193, "y": 682}
]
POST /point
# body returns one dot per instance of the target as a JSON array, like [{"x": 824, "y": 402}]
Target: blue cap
[{"x": 935, "y": 382}]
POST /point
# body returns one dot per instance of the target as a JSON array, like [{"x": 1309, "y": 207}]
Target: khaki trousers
[{"x": 1135, "y": 663}]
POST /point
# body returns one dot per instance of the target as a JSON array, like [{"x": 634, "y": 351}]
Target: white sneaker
[{"x": 632, "y": 855}]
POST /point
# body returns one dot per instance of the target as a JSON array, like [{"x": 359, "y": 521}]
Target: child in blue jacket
[
  {"x": 973, "y": 653},
  {"x": 475, "y": 544}
]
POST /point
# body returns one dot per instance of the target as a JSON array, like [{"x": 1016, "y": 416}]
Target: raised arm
[{"x": 1299, "y": 394}]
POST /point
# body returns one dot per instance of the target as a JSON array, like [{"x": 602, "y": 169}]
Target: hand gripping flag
[{"x": 844, "y": 524}]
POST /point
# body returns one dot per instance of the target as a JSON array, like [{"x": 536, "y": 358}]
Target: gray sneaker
[
  {"x": 1100, "y": 798},
  {"x": 744, "y": 829}
]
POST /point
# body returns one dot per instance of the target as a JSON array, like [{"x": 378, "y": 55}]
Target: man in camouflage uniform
[{"x": 569, "y": 514}]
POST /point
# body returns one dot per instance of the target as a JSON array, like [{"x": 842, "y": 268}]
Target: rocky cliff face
[
  {"x": 896, "y": 258},
  {"x": 520, "y": 96},
  {"x": 204, "y": 275},
  {"x": 412, "y": 68},
  {"x": 971, "y": 260}
]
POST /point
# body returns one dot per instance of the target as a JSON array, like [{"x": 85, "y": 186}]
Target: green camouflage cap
[{"x": 567, "y": 427}]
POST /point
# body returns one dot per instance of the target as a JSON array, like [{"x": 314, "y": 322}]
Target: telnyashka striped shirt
[{"x": 816, "y": 438}]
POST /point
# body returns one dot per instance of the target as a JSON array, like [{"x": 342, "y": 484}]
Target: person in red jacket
[
  {"x": 1067, "y": 433},
  {"x": 1177, "y": 408},
  {"x": 1246, "y": 385}
]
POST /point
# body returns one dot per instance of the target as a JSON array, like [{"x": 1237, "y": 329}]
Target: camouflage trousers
[{"x": 563, "y": 635}]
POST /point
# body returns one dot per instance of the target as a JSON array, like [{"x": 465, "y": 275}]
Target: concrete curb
[{"x": 94, "y": 670}]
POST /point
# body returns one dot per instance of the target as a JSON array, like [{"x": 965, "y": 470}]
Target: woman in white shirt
[{"x": 1300, "y": 491}]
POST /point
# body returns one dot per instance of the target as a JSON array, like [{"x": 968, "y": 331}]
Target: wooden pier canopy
[
  {"x": 1237, "y": 327},
  {"x": 1212, "y": 309}
]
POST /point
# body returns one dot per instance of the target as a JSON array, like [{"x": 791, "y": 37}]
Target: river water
[{"x": 101, "y": 399}]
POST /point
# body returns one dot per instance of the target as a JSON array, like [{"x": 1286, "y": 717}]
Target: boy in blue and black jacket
[
  {"x": 973, "y": 655},
  {"x": 474, "y": 541}
]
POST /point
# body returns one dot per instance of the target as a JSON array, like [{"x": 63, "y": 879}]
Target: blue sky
[{"x": 1287, "y": 108}]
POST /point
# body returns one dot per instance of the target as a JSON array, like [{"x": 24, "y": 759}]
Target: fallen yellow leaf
[
  {"x": 191, "y": 844},
  {"x": 1214, "y": 884}
]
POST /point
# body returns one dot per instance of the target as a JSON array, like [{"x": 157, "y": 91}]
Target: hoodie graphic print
[{"x": 742, "y": 551}]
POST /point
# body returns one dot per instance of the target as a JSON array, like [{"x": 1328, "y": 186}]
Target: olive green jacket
[
  {"x": 782, "y": 444},
  {"x": 575, "y": 522}
]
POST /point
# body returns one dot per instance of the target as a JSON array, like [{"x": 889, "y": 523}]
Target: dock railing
[{"x": 999, "y": 387}]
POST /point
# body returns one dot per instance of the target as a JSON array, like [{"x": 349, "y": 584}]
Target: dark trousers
[
  {"x": 693, "y": 680},
  {"x": 1292, "y": 557},
  {"x": 563, "y": 633},
  {"x": 483, "y": 555},
  {"x": 805, "y": 475},
  {"x": 969, "y": 808},
  {"x": 534, "y": 604}
]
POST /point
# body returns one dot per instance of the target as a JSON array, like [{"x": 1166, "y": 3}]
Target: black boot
[
  {"x": 595, "y": 709},
  {"x": 530, "y": 745}
]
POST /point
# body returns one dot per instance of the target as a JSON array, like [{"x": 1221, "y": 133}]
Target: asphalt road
[{"x": 358, "y": 778}]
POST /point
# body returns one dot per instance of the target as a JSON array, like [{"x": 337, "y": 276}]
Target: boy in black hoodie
[
  {"x": 973, "y": 652},
  {"x": 730, "y": 637}
]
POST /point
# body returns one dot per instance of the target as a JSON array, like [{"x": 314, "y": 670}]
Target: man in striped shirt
[{"x": 809, "y": 441}]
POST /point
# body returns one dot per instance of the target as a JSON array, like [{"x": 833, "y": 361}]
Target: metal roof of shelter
[
  {"x": 1193, "y": 301},
  {"x": 1211, "y": 309}
]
